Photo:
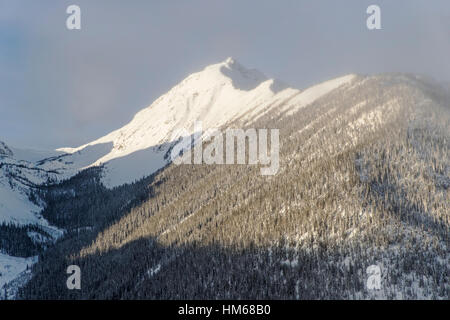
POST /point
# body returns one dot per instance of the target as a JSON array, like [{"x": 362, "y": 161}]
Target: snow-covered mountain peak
[
  {"x": 241, "y": 77},
  {"x": 226, "y": 73},
  {"x": 217, "y": 96},
  {"x": 214, "y": 96},
  {"x": 229, "y": 60}
]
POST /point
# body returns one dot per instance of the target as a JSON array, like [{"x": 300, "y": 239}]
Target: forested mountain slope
[{"x": 364, "y": 179}]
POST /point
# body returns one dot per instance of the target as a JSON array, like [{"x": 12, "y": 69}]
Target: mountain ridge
[
  {"x": 340, "y": 122},
  {"x": 218, "y": 95}
]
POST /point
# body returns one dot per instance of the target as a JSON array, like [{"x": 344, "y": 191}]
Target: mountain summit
[{"x": 218, "y": 95}]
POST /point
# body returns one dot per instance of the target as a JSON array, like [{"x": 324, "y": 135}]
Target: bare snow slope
[
  {"x": 216, "y": 96},
  {"x": 19, "y": 174}
]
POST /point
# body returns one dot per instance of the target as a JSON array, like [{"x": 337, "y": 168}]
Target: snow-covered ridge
[
  {"x": 217, "y": 95},
  {"x": 313, "y": 93},
  {"x": 198, "y": 96}
]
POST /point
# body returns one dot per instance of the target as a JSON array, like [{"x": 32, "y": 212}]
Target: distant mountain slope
[{"x": 19, "y": 176}]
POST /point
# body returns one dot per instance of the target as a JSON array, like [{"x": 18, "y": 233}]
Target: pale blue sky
[{"x": 65, "y": 88}]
